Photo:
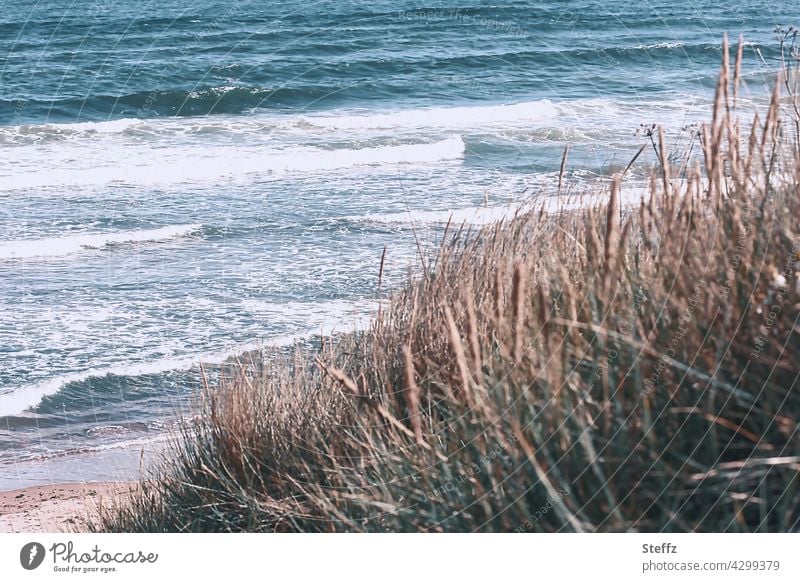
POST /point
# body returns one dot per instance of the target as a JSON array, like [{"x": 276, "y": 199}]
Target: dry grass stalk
[
  {"x": 518, "y": 288},
  {"x": 412, "y": 395}
]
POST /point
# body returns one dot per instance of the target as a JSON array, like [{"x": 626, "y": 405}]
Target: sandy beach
[{"x": 56, "y": 508}]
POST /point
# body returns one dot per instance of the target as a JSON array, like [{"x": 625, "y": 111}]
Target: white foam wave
[
  {"x": 477, "y": 215},
  {"x": 111, "y": 126},
  {"x": 611, "y": 116},
  {"x": 148, "y": 445},
  {"x": 454, "y": 118},
  {"x": 193, "y": 163},
  {"x": 44, "y": 131},
  {"x": 311, "y": 160},
  {"x": 68, "y": 245},
  {"x": 590, "y": 194},
  {"x": 659, "y": 45},
  {"x": 449, "y": 118}
]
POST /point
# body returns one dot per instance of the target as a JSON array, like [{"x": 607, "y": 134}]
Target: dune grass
[{"x": 607, "y": 369}]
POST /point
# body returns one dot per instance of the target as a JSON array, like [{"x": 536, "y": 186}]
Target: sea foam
[
  {"x": 54, "y": 247},
  {"x": 191, "y": 162}
]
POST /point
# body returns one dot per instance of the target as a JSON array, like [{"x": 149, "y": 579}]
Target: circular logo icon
[{"x": 32, "y": 555}]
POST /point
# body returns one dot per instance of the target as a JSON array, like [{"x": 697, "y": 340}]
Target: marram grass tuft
[{"x": 606, "y": 369}]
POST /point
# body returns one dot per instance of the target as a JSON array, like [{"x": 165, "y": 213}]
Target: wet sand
[{"x": 57, "y": 508}]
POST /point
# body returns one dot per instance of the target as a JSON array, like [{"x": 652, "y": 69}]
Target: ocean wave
[
  {"x": 271, "y": 129},
  {"x": 311, "y": 160},
  {"x": 19, "y": 400},
  {"x": 275, "y": 132},
  {"x": 194, "y": 163},
  {"x": 105, "y": 430},
  {"x": 222, "y": 99},
  {"x": 660, "y": 45},
  {"x": 56, "y": 247},
  {"x": 45, "y": 132},
  {"x": 453, "y": 118},
  {"x": 150, "y": 443},
  {"x": 335, "y": 316},
  {"x": 587, "y": 194},
  {"x": 478, "y": 215}
]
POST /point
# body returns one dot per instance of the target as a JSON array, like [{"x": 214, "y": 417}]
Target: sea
[{"x": 186, "y": 181}]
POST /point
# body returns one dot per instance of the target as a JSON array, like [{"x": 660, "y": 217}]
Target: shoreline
[
  {"x": 119, "y": 464},
  {"x": 58, "y": 508}
]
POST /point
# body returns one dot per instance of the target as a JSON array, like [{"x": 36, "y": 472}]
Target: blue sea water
[{"x": 181, "y": 181}]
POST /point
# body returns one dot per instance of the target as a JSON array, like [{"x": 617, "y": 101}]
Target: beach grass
[{"x": 612, "y": 368}]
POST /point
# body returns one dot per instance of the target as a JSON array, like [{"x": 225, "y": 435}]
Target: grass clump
[{"x": 609, "y": 369}]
